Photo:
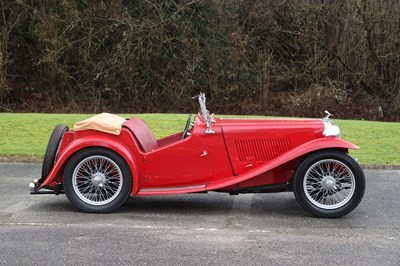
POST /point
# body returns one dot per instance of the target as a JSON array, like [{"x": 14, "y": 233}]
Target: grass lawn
[{"x": 26, "y": 135}]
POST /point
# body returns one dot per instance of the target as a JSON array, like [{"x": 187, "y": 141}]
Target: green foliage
[
  {"x": 151, "y": 55},
  {"x": 26, "y": 135},
  {"x": 379, "y": 141}
]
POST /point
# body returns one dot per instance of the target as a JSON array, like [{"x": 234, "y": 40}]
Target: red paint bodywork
[{"x": 243, "y": 153}]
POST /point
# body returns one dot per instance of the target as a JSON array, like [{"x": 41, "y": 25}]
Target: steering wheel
[{"x": 187, "y": 126}]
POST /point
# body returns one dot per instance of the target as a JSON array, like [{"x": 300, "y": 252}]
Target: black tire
[
  {"x": 97, "y": 180},
  {"x": 52, "y": 149},
  {"x": 329, "y": 184}
]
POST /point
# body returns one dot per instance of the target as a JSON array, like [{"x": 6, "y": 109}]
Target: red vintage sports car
[{"x": 106, "y": 158}]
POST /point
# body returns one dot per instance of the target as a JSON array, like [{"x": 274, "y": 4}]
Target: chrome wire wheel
[
  {"x": 329, "y": 184},
  {"x": 97, "y": 180}
]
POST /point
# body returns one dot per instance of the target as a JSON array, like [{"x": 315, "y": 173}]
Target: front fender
[
  {"x": 91, "y": 141},
  {"x": 311, "y": 146}
]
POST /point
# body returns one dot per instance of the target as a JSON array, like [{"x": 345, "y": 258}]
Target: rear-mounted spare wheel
[{"x": 52, "y": 149}]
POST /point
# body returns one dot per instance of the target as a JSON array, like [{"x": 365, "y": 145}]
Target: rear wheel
[
  {"x": 52, "y": 148},
  {"x": 97, "y": 180},
  {"x": 329, "y": 183}
]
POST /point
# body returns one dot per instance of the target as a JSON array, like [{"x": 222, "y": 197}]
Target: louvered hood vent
[{"x": 261, "y": 150}]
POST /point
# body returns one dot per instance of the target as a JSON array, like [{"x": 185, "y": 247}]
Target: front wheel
[
  {"x": 329, "y": 184},
  {"x": 97, "y": 180}
]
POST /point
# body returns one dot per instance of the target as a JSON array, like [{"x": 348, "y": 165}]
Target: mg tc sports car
[{"x": 107, "y": 158}]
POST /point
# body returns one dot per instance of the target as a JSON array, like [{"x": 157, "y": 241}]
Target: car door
[{"x": 183, "y": 163}]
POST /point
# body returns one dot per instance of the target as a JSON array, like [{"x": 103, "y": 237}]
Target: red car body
[{"x": 240, "y": 156}]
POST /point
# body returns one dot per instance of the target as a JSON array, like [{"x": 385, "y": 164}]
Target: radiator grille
[{"x": 261, "y": 150}]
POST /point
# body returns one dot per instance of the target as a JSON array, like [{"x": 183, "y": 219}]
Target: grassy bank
[{"x": 26, "y": 135}]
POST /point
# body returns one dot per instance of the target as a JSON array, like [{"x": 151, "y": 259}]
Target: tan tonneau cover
[{"x": 103, "y": 122}]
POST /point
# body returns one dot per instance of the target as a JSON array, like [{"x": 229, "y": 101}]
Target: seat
[{"x": 143, "y": 134}]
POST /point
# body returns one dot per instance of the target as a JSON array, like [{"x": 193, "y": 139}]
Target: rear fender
[
  {"x": 91, "y": 141},
  {"x": 308, "y": 147}
]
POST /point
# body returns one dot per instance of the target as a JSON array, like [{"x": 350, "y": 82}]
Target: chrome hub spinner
[
  {"x": 328, "y": 183},
  {"x": 98, "y": 180}
]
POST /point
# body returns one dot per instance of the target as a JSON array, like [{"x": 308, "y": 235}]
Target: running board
[{"x": 171, "y": 190}]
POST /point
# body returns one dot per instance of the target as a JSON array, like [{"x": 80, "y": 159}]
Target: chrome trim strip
[{"x": 172, "y": 188}]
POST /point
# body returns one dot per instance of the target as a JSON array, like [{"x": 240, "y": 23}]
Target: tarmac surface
[{"x": 196, "y": 229}]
